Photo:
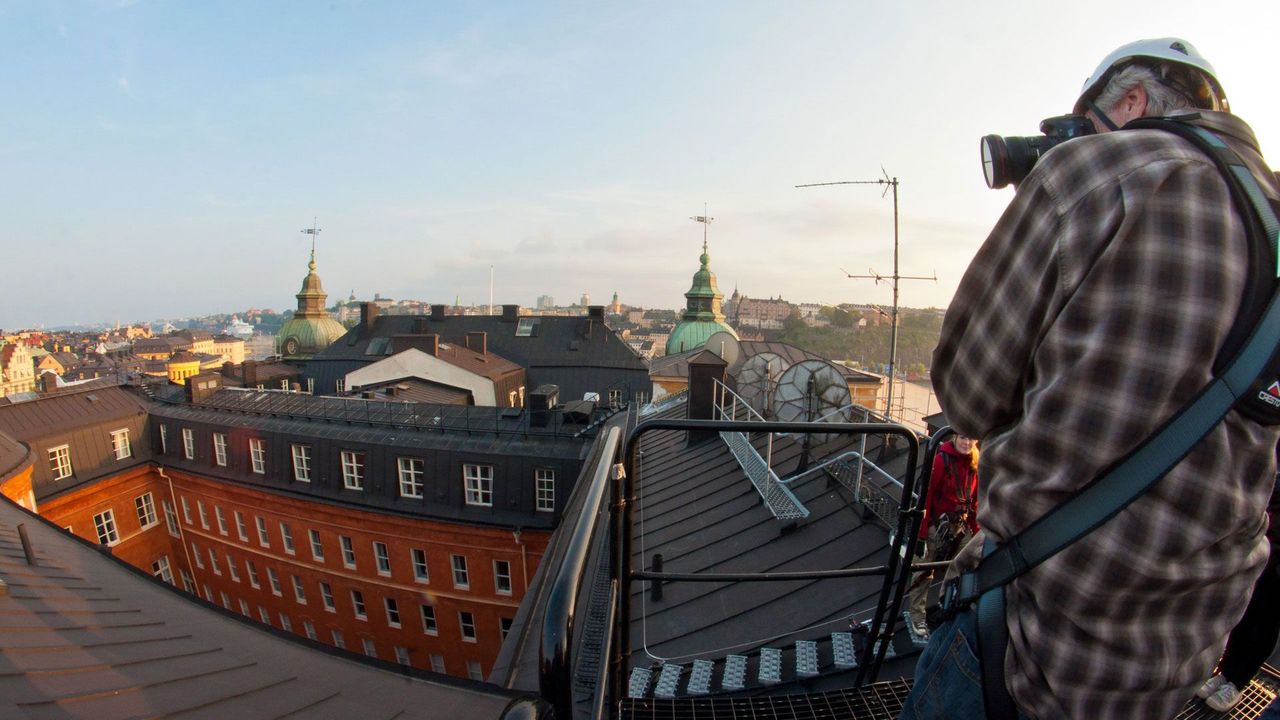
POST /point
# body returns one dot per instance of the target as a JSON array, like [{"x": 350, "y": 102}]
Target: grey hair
[{"x": 1161, "y": 84}]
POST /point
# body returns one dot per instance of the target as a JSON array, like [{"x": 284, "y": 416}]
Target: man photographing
[{"x": 1092, "y": 314}]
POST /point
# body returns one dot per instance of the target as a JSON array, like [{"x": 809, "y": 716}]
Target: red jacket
[{"x": 952, "y": 483}]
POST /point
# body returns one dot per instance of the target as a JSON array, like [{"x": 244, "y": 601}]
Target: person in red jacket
[{"x": 950, "y": 518}]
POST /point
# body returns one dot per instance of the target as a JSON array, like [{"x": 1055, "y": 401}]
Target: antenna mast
[
  {"x": 888, "y": 183},
  {"x": 313, "y": 231},
  {"x": 706, "y": 222}
]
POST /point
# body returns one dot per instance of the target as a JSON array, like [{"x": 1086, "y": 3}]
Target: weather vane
[{"x": 313, "y": 231}]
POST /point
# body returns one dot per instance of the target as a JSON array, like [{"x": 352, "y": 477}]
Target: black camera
[{"x": 1008, "y": 159}]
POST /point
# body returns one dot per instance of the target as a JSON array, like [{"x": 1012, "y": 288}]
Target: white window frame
[
  {"x": 273, "y": 577},
  {"x": 545, "y": 484},
  {"x": 195, "y": 555},
  {"x": 615, "y": 398},
  {"x": 352, "y": 470},
  {"x": 310, "y": 629},
  {"x": 204, "y": 515},
  {"x": 382, "y": 558},
  {"x": 392, "y": 608},
  {"x": 430, "y": 625},
  {"x": 410, "y": 473},
  {"x": 170, "y": 517},
  {"x": 418, "y": 558},
  {"x": 253, "y": 573},
  {"x": 286, "y": 538},
  {"x": 60, "y": 462},
  {"x": 358, "y": 608},
  {"x": 213, "y": 562},
  {"x": 146, "y": 509},
  {"x": 104, "y": 523},
  {"x": 188, "y": 443},
  {"x": 161, "y": 569},
  {"x": 326, "y": 597},
  {"x": 339, "y": 640},
  {"x": 220, "y": 518},
  {"x": 232, "y": 569},
  {"x": 264, "y": 615},
  {"x": 285, "y": 623},
  {"x": 264, "y": 538},
  {"x": 502, "y": 584},
  {"x": 301, "y": 462},
  {"x": 188, "y": 582},
  {"x": 467, "y": 621},
  {"x": 461, "y": 578},
  {"x": 437, "y": 664},
  {"x": 164, "y": 441},
  {"x": 370, "y": 647},
  {"x": 402, "y": 654},
  {"x": 340, "y": 386},
  {"x": 241, "y": 529},
  {"x": 257, "y": 456},
  {"x": 186, "y": 509},
  {"x": 478, "y": 480},
  {"x": 317, "y": 548},
  {"x": 348, "y": 552},
  {"x": 474, "y": 670},
  {"x": 299, "y": 592},
  {"x": 220, "y": 449},
  {"x": 120, "y": 444}
]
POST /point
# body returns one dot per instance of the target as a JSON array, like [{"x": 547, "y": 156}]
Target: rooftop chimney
[
  {"x": 428, "y": 343},
  {"x": 437, "y": 312},
  {"x": 478, "y": 341},
  {"x": 704, "y": 369},
  {"x": 419, "y": 326},
  {"x": 596, "y": 312},
  {"x": 510, "y": 313},
  {"x": 249, "y": 370},
  {"x": 368, "y": 313}
]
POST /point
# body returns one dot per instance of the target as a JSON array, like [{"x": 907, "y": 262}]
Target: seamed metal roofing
[{"x": 84, "y": 636}]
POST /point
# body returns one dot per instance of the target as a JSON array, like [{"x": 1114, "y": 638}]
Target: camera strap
[{"x": 1130, "y": 477}]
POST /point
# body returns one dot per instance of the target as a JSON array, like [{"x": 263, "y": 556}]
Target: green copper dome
[
  {"x": 310, "y": 330},
  {"x": 702, "y": 317}
]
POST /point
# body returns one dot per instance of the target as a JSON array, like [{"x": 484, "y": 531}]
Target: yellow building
[{"x": 182, "y": 366}]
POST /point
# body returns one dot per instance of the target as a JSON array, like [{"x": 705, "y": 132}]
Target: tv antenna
[
  {"x": 887, "y": 183},
  {"x": 313, "y": 231}
]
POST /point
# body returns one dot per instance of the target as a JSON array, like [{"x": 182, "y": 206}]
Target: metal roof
[{"x": 84, "y": 636}]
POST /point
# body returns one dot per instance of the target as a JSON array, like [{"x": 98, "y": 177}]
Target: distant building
[
  {"x": 229, "y": 348},
  {"x": 702, "y": 317},
  {"x": 577, "y": 354},
  {"x": 545, "y": 302},
  {"x": 17, "y": 371}
]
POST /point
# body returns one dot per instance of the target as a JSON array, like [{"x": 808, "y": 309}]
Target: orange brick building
[{"x": 306, "y": 523}]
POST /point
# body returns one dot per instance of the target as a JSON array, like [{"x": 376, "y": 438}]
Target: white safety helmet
[{"x": 1172, "y": 50}]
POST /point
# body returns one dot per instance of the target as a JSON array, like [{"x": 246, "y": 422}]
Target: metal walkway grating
[
  {"x": 777, "y": 497},
  {"x": 881, "y": 701}
]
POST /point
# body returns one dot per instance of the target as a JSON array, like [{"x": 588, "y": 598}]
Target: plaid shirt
[{"x": 1091, "y": 314}]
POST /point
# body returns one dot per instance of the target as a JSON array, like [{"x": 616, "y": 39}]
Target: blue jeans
[{"x": 948, "y": 683}]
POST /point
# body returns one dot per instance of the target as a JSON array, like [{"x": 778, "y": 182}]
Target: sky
[{"x": 159, "y": 159}]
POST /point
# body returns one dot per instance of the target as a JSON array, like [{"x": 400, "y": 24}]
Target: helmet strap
[{"x": 1106, "y": 120}]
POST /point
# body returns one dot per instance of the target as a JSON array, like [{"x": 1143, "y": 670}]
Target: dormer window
[{"x": 526, "y": 326}]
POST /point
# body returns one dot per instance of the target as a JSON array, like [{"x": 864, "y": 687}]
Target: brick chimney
[
  {"x": 478, "y": 341},
  {"x": 428, "y": 343},
  {"x": 437, "y": 312},
  {"x": 510, "y": 313},
  {"x": 368, "y": 313},
  {"x": 250, "y": 372}
]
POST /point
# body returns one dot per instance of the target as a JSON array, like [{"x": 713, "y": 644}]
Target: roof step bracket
[{"x": 770, "y": 666}]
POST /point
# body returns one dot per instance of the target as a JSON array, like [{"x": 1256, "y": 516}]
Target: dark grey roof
[
  {"x": 577, "y": 353},
  {"x": 82, "y": 635},
  {"x": 697, "y": 509}
]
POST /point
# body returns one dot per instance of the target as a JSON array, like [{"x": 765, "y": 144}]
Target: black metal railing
[
  {"x": 896, "y": 572},
  {"x": 555, "y": 656}
]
